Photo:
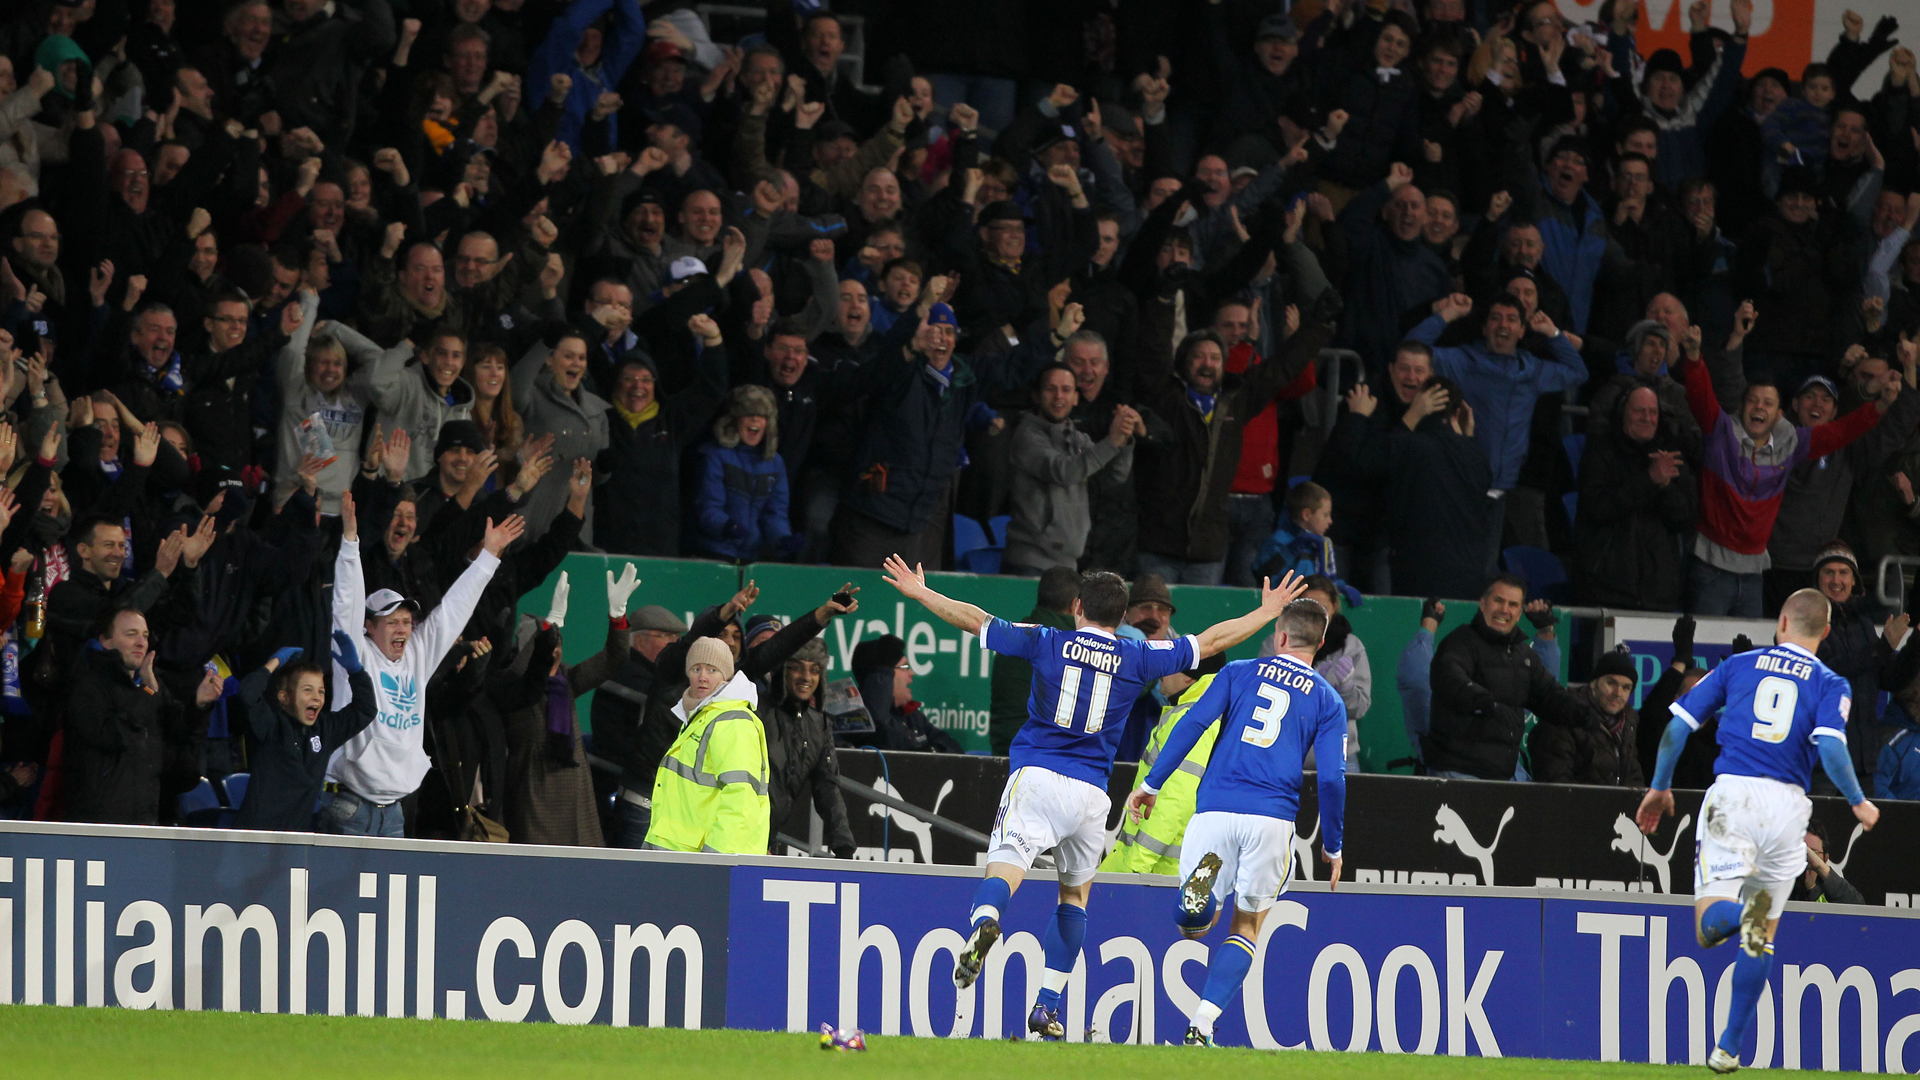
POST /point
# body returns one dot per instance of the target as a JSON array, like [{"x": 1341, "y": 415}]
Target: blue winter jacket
[
  {"x": 1897, "y": 774},
  {"x": 555, "y": 56},
  {"x": 1501, "y": 390},
  {"x": 741, "y": 507}
]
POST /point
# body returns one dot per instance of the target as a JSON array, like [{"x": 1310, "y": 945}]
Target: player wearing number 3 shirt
[
  {"x": 1780, "y": 708},
  {"x": 1085, "y": 682},
  {"x": 1272, "y": 713}
]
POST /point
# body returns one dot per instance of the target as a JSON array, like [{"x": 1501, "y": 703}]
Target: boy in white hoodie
[{"x": 369, "y": 776}]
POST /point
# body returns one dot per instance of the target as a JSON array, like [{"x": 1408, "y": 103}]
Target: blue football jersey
[
  {"x": 1776, "y": 700},
  {"x": 1275, "y": 709},
  {"x": 1084, "y": 684}
]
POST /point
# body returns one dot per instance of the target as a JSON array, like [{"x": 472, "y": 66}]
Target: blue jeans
[
  {"x": 1180, "y": 571},
  {"x": 631, "y": 823},
  {"x": 343, "y": 813},
  {"x": 1713, "y": 591},
  {"x": 1250, "y": 521},
  {"x": 996, "y": 100}
]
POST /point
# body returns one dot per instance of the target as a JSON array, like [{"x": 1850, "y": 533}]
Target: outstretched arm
[
  {"x": 912, "y": 583},
  {"x": 1222, "y": 636}
]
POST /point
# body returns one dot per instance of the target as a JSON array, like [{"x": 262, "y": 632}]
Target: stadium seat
[
  {"x": 235, "y": 786},
  {"x": 967, "y": 536},
  {"x": 201, "y": 806},
  {"x": 973, "y": 553},
  {"x": 1576, "y": 446},
  {"x": 998, "y": 527},
  {"x": 1546, "y": 577}
]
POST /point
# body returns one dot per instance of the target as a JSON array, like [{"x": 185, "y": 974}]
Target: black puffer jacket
[
  {"x": 1592, "y": 753},
  {"x": 1484, "y": 683},
  {"x": 800, "y": 760},
  {"x": 1628, "y": 533}
]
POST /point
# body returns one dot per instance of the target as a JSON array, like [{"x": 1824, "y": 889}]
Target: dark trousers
[{"x": 859, "y": 540}]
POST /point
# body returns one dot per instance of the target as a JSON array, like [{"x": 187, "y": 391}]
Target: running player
[
  {"x": 1272, "y": 712},
  {"x": 1783, "y": 708},
  {"x": 1085, "y": 682}
]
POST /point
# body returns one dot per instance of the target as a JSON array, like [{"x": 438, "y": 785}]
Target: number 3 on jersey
[
  {"x": 1266, "y": 719},
  {"x": 1070, "y": 698},
  {"x": 1773, "y": 703}
]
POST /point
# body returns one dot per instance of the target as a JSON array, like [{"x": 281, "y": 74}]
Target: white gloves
[
  {"x": 557, "y": 615},
  {"x": 618, "y": 591}
]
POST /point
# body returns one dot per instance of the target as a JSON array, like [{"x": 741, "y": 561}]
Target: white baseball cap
[
  {"x": 685, "y": 267},
  {"x": 386, "y": 602}
]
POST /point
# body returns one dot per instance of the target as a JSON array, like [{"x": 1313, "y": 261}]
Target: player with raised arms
[
  {"x": 1085, "y": 681},
  {"x": 1783, "y": 707},
  {"x": 1272, "y": 712}
]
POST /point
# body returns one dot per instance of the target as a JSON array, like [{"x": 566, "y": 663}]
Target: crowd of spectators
[{"x": 498, "y": 280}]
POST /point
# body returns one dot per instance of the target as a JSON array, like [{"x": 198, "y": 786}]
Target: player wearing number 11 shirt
[
  {"x": 1085, "y": 681},
  {"x": 1780, "y": 709}
]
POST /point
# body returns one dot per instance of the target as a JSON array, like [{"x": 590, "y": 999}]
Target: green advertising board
[{"x": 951, "y": 671}]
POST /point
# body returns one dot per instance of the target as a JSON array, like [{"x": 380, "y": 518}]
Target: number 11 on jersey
[{"x": 1070, "y": 698}]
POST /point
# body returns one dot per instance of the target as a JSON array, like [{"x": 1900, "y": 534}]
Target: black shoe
[{"x": 966, "y": 967}]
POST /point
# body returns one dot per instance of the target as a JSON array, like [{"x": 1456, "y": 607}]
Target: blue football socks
[
  {"x": 989, "y": 900},
  {"x": 1066, "y": 932}
]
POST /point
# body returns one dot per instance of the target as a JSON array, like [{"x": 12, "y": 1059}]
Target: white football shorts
[
  {"x": 1752, "y": 835},
  {"x": 1256, "y": 856},
  {"x": 1042, "y": 810}
]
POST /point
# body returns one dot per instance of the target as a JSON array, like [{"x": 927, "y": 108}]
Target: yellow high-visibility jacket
[
  {"x": 1153, "y": 846},
  {"x": 710, "y": 793}
]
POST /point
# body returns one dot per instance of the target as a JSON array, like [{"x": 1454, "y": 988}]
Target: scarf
[
  {"x": 169, "y": 379},
  {"x": 48, "y": 529},
  {"x": 1203, "y": 402},
  {"x": 560, "y": 722},
  {"x": 635, "y": 419}
]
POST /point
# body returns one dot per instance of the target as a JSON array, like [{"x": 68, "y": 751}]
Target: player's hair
[
  {"x": 287, "y": 676},
  {"x": 1304, "y": 497},
  {"x": 1514, "y": 580},
  {"x": 1303, "y": 621},
  {"x": 1806, "y": 612},
  {"x": 1103, "y": 598},
  {"x": 1058, "y": 586}
]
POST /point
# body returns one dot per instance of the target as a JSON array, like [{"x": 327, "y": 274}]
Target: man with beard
[
  {"x": 124, "y": 728},
  {"x": 1638, "y": 499}
]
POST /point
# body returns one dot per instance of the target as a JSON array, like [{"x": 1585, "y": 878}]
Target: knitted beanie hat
[{"x": 711, "y": 651}]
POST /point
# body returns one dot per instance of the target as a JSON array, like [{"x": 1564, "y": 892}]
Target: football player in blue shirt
[
  {"x": 1085, "y": 681},
  {"x": 1240, "y": 839},
  {"x": 1783, "y": 707}
]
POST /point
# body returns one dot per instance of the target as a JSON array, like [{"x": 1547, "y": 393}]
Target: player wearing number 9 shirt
[
  {"x": 1782, "y": 708},
  {"x": 1272, "y": 713},
  {"x": 1085, "y": 682}
]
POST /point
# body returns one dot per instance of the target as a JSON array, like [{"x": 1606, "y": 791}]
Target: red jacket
[{"x": 1260, "y": 457}]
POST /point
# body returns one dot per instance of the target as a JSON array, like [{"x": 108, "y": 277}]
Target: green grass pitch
[{"x": 44, "y": 1041}]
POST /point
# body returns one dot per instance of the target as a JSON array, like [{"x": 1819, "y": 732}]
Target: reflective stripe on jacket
[
  {"x": 710, "y": 793},
  {"x": 1153, "y": 846}
]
